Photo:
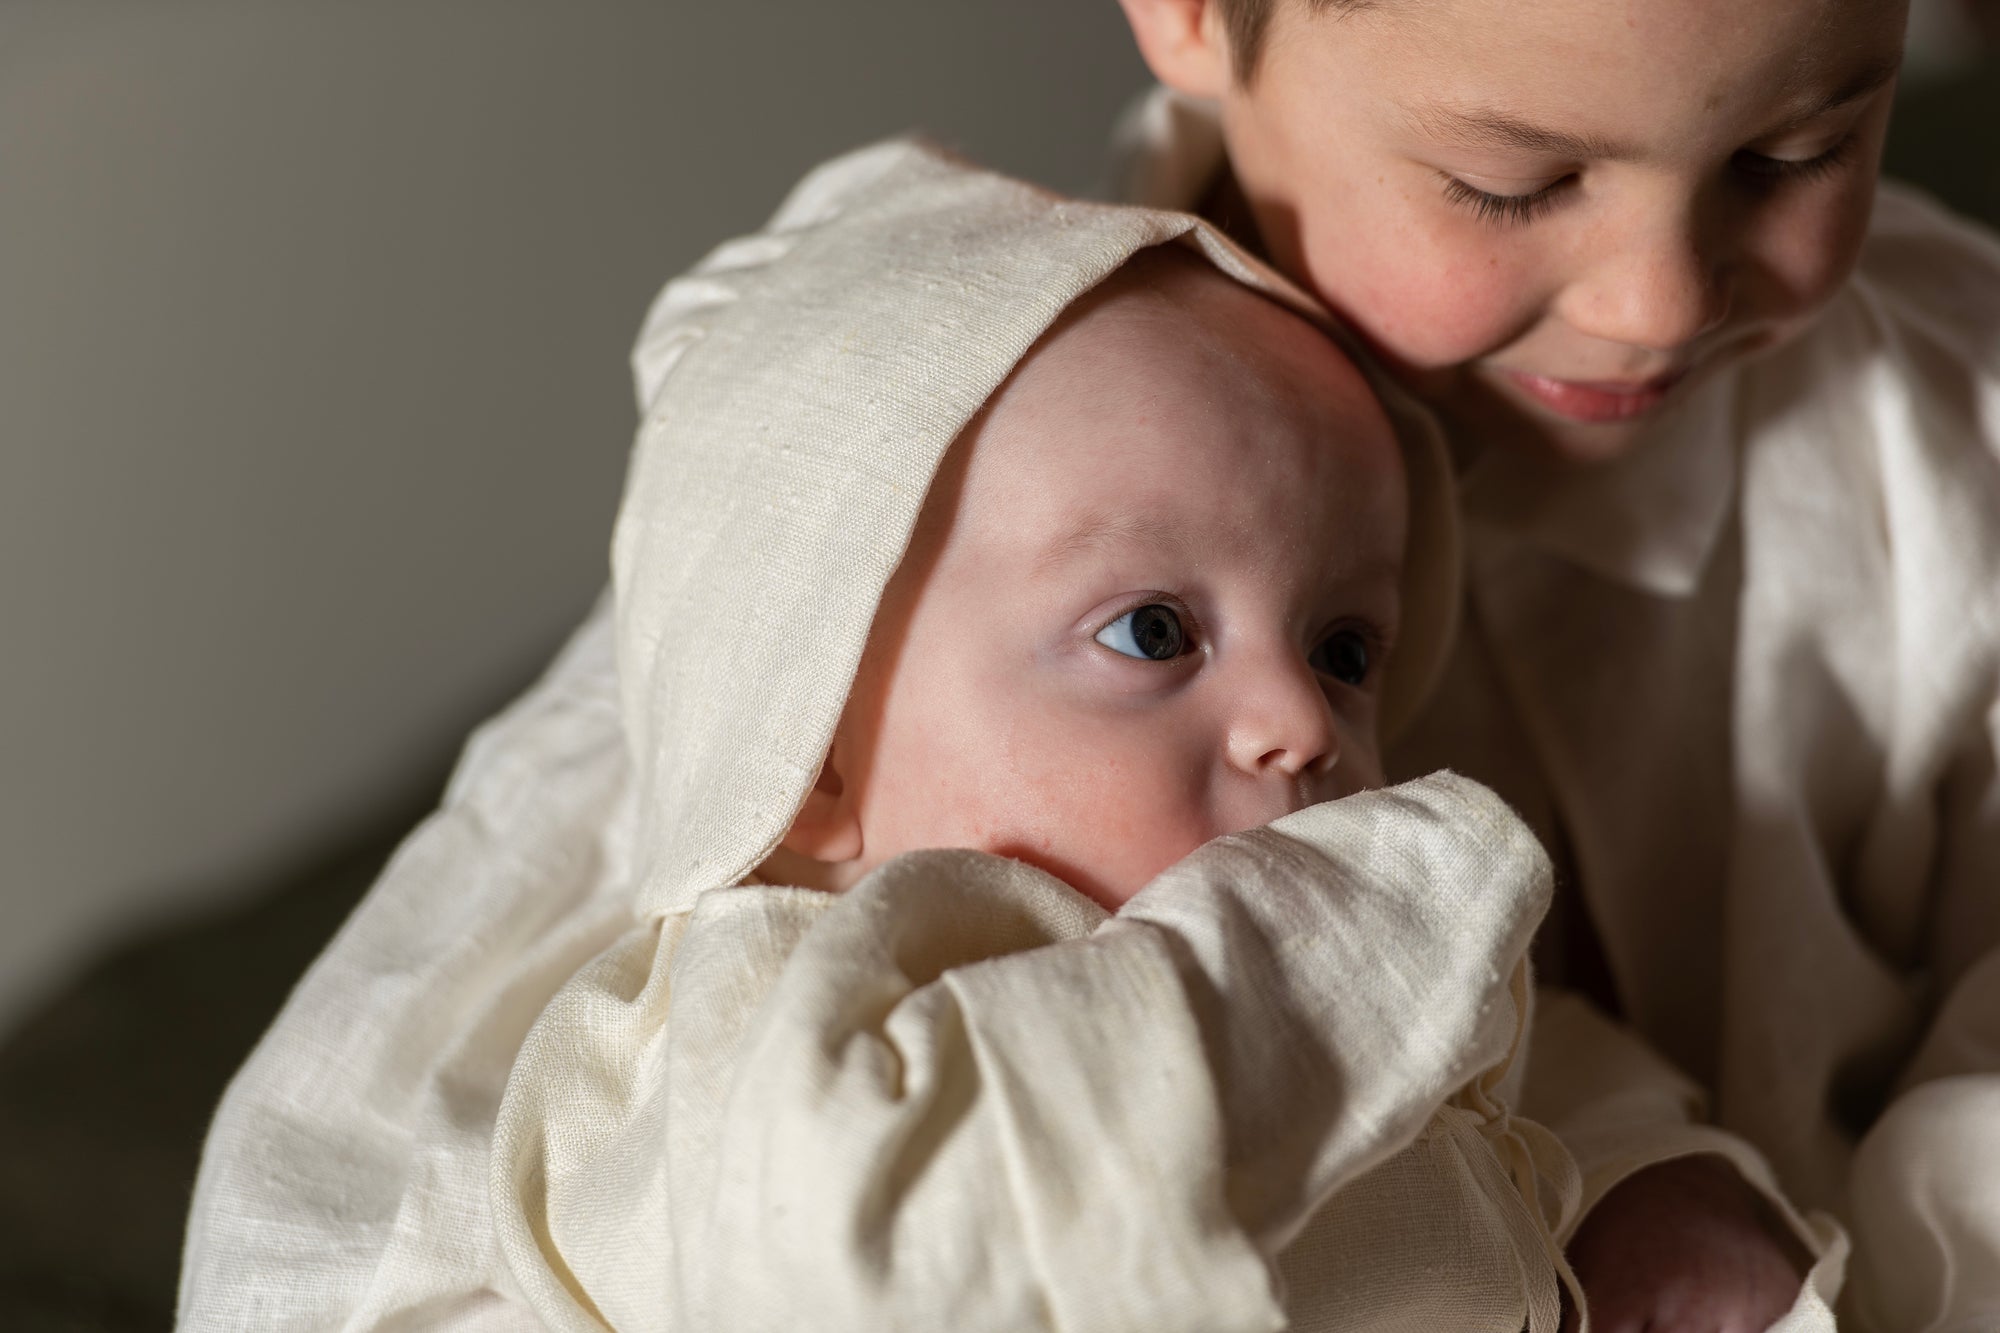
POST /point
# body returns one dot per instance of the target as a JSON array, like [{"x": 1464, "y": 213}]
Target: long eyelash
[
  {"x": 1510, "y": 209},
  {"x": 1766, "y": 170}
]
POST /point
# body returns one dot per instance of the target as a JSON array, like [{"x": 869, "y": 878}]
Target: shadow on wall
[
  {"x": 1946, "y": 139},
  {"x": 312, "y": 372}
]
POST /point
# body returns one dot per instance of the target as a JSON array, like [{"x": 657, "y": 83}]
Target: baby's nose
[{"x": 1282, "y": 724}]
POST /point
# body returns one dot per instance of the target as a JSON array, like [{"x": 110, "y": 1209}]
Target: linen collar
[{"x": 1650, "y": 519}]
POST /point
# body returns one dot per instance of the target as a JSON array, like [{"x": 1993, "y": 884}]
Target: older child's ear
[
  {"x": 1185, "y": 43},
  {"x": 828, "y": 826}
]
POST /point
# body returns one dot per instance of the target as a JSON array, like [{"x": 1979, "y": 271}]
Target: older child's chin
[{"x": 1546, "y": 420}]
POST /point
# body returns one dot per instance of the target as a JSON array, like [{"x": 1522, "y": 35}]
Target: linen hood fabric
[{"x": 958, "y": 1095}]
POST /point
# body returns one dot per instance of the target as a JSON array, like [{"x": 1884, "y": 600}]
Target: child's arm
[{"x": 942, "y": 1100}]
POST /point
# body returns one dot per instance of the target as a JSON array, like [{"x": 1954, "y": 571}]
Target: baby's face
[
  {"x": 1552, "y": 218},
  {"x": 1149, "y": 602}
]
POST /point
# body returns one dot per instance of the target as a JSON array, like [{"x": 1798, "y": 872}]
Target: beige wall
[{"x": 313, "y": 404}]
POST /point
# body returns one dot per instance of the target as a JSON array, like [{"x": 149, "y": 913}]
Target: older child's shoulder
[
  {"x": 1931, "y": 279},
  {"x": 1901, "y": 371},
  {"x": 1874, "y": 438}
]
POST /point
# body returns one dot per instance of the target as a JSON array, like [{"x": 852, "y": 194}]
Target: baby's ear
[
  {"x": 1185, "y": 43},
  {"x": 828, "y": 826}
]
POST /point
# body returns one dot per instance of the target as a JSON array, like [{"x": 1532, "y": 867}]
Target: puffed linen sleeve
[{"x": 958, "y": 1096}]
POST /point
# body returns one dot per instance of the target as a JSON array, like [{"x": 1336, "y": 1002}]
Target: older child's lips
[{"x": 1600, "y": 400}]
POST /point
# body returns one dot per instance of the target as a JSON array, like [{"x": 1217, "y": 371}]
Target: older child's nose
[
  {"x": 1281, "y": 723},
  {"x": 1659, "y": 288}
]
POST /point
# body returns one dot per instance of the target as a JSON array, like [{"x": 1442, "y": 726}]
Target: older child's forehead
[{"x": 1476, "y": 71}]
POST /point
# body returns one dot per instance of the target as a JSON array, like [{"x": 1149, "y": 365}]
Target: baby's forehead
[
  {"x": 1169, "y": 332},
  {"x": 1169, "y": 297},
  {"x": 1173, "y": 399}
]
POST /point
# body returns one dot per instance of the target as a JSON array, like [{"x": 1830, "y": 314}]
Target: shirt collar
[{"x": 1649, "y": 519}]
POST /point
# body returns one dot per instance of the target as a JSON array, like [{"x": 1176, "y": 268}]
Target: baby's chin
[
  {"x": 1110, "y": 872},
  {"x": 1107, "y": 873}
]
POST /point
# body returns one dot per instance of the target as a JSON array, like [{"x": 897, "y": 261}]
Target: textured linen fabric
[
  {"x": 1338, "y": 1000},
  {"x": 1746, "y": 684},
  {"x": 343, "y": 1183},
  {"x": 956, "y": 1096}
]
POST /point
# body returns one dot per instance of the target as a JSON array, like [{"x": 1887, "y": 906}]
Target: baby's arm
[
  {"x": 943, "y": 1100},
  {"x": 1683, "y": 1226}
]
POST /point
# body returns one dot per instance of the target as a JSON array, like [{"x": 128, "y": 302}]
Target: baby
[{"x": 966, "y": 519}]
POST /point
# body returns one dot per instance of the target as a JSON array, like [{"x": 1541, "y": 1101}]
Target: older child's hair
[{"x": 1245, "y": 21}]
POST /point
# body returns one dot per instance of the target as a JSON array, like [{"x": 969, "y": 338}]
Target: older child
[{"x": 1726, "y": 426}]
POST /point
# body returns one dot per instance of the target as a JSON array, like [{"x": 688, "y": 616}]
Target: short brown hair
[{"x": 1245, "y": 21}]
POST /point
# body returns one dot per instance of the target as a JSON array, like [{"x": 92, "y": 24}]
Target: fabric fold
[{"x": 958, "y": 1096}]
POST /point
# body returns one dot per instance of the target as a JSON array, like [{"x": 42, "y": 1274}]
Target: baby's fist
[{"x": 1686, "y": 1247}]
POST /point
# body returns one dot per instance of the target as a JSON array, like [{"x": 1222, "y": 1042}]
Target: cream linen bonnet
[{"x": 800, "y": 388}]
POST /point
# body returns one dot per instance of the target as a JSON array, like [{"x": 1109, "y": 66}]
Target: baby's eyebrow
[{"x": 1095, "y": 530}]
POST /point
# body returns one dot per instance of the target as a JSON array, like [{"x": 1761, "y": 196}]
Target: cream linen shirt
[{"x": 1744, "y": 682}]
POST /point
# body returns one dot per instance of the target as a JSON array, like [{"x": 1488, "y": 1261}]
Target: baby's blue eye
[
  {"x": 1345, "y": 656},
  {"x": 1151, "y": 632}
]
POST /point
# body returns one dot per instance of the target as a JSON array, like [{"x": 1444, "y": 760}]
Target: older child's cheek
[
  {"x": 1819, "y": 249},
  {"x": 1428, "y": 287},
  {"x": 1442, "y": 310}
]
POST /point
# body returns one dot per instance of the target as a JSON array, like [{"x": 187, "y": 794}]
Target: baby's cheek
[{"x": 1107, "y": 825}]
